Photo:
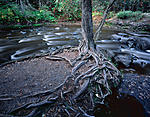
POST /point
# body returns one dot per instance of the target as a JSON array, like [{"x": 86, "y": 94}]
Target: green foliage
[
  {"x": 100, "y": 5},
  {"x": 6, "y": 14},
  {"x": 12, "y": 14},
  {"x": 111, "y": 14},
  {"x": 97, "y": 13},
  {"x": 39, "y": 16},
  {"x": 69, "y": 8},
  {"x": 133, "y": 5},
  {"x": 124, "y": 14},
  {"x": 11, "y": 11},
  {"x": 130, "y": 15}
]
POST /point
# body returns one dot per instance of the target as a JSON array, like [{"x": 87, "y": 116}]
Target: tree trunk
[{"x": 87, "y": 24}]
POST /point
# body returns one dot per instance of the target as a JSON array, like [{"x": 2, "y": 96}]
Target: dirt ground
[{"x": 20, "y": 79}]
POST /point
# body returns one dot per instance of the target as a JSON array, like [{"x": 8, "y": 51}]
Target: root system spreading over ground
[
  {"x": 51, "y": 86},
  {"x": 72, "y": 84}
]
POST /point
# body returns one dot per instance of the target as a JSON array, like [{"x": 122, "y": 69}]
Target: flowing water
[{"x": 122, "y": 46}]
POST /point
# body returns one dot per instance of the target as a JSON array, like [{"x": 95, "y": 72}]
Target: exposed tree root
[
  {"x": 6, "y": 97},
  {"x": 89, "y": 87},
  {"x": 84, "y": 113},
  {"x": 6, "y": 115},
  {"x": 47, "y": 92},
  {"x": 19, "y": 108}
]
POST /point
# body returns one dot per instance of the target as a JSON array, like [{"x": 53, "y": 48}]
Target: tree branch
[{"x": 98, "y": 31}]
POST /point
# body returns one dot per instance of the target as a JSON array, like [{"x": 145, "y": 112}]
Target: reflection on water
[{"x": 125, "y": 47}]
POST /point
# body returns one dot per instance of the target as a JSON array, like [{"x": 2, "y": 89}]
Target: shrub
[
  {"x": 39, "y": 15},
  {"x": 111, "y": 14},
  {"x": 124, "y": 14},
  {"x": 97, "y": 13},
  {"x": 12, "y": 14},
  {"x": 130, "y": 15}
]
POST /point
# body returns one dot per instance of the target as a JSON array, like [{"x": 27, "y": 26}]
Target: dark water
[{"x": 17, "y": 44}]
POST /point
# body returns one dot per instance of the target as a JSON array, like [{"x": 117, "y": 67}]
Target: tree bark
[{"x": 87, "y": 24}]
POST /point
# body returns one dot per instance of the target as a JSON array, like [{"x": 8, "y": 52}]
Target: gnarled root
[{"x": 91, "y": 81}]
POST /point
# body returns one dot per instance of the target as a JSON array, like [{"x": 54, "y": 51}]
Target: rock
[
  {"x": 142, "y": 43},
  {"x": 124, "y": 59}
]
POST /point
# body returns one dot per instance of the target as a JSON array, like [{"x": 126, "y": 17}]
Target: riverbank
[
  {"x": 21, "y": 79},
  {"x": 131, "y": 25},
  {"x": 112, "y": 23},
  {"x": 115, "y": 23},
  {"x": 12, "y": 27}
]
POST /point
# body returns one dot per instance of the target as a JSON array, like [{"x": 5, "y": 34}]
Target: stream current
[{"x": 131, "y": 50}]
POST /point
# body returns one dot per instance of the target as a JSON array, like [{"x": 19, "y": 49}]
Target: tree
[
  {"x": 88, "y": 48},
  {"x": 95, "y": 83},
  {"x": 87, "y": 24}
]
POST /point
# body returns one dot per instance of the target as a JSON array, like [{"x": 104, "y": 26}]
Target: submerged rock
[
  {"x": 133, "y": 50},
  {"x": 124, "y": 59},
  {"x": 141, "y": 43}
]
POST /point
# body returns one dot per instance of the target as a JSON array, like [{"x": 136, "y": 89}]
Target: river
[{"x": 130, "y": 50}]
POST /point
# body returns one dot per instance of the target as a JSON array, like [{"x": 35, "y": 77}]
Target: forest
[
  {"x": 74, "y": 58},
  {"x": 27, "y": 12}
]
